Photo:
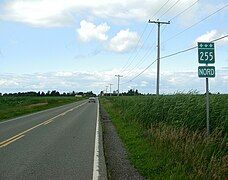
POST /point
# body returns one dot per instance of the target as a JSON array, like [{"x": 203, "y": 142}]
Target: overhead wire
[
  {"x": 180, "y": 13},
  {"x": 140, "y": 73},
  {"x": 170, "y": 8},
  {"x": 135, "y": 49},
  {"x": 185, "y": 30},
  {"x": 160, "y": 8},
  {"x": 198, "y": 22},
  {"x": 142, "y": 60},
  {"x": 170, "y": 55},
  {"x": 137, "y": 53},
  {"x": 194, "y": 47},
  {"x": 145, "y": 55}
]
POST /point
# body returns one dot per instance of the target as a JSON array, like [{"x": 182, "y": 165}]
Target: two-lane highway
[{"x": 54, "y": 144}]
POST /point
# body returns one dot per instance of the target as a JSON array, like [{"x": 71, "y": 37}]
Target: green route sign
[
  {"x": 206, "y": 71},
  {"x": 206, "y": 53}
]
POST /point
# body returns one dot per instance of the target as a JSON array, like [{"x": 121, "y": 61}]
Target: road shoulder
[{"x": 118, "y": 165}]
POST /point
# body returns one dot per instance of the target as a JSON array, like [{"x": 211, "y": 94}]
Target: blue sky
[{"x": 68, "y": 45}]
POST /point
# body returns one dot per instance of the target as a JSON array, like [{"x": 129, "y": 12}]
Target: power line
[
  {"x": 189, "y": 49},
  {"x": 170, "y": 55},
  {"x": 140, "y": 72},
  {"x": 137, "y": 52},
  {"x": 135, "y": 49},
  {"x": 220, "y": 38},
  {"x": 182, "y": 12},
  {"x": 140, "y": 62},
  {"x": 143, "y": 58},
  {"x": 169, "y": 8},
  {"x": 195, "y": 23},
  {"x": 179, "y": 52},
  {"x": 145, "y": 55},
  {"x": 160, "y": 8}
]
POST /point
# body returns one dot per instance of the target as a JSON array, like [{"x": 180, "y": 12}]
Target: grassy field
[
  {"x": 11, "y": 107},
  {"x": 166, "y": 137}
]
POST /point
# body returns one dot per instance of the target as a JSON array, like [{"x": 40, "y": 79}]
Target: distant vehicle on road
[{"x": 92, "y": 99}]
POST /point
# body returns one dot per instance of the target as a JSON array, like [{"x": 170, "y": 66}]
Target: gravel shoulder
[{"x": 118, "y": 165}]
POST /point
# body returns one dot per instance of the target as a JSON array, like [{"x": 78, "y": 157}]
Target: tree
[
  {"x": 55, "y": 93},
  {"x": 73, "y": 93},
  {"x": 80, "y": 93},
  {"x": 42, "y": 94},
  {"x": 38, "y": 94}
]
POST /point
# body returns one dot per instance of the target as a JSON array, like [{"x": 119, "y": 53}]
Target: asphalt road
[{"x": 53, "y": 144}]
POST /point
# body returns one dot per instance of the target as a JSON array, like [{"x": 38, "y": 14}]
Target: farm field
[
  {"x": 166, "y": 136},
  {"x": 11, "y": 107}
]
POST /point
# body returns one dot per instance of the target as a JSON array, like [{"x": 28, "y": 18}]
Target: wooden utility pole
[
  {"x": 118, "y": 82},
  {"x": 110, "y": 89},
  {"x": 158, "y": 52}
]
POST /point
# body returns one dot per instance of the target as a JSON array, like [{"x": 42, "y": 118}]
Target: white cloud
[
  {"x": 40, "y": 13},
  {"x": 96, "y": 81},
  {"x": 144, "y": 83},
  {"x": 89, "y": 31},
  {"x": 52, "y": 13},
  {"x": 123, "y": 41},
  {"x": 211, "y": 35},
  {"x": 63, "y": 74},
  {"x": 207, "y": 37}
]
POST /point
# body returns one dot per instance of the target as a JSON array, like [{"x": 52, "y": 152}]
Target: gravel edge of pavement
[
  {"x": 102, "y": 164},
  {"x": 117, "y": 163}
]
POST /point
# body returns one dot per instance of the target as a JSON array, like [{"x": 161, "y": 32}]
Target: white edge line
[
  {"x": 96, "y": 148},
  {"x": 28, "y": 115}
]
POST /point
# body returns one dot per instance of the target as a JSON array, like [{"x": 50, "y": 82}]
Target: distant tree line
[
  {"x": 130, "y": 92},
  {"x": 50, "y": 93}
]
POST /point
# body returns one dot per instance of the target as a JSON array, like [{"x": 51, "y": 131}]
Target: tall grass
[
  {"x": 178, "y": 110},
  {"x": 174, "y": 126}
]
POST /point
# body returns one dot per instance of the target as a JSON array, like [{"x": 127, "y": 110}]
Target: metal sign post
[
  {"x": 207, "y": 106},
  {"x": 206, "y": 55}
]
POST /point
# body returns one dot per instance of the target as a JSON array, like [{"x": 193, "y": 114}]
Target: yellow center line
[
  {"x": 20, "y": 135},
  {"x": 48, "y": 122},
  {"x": 14, "y": 137},
  {"x": 9, "y": 142},
  {"x": 9, "y": 139}
]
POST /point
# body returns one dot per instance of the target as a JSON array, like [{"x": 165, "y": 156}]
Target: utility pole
[
  {"x": 118, "y": 82},
  {"x": 106, "y": 90},
  {"x": 159, "y": 23},
  {"x": 110, "y": 89}
]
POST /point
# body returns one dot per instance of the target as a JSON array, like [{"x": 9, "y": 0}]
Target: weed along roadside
[{"x": 166, "y": 136}]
